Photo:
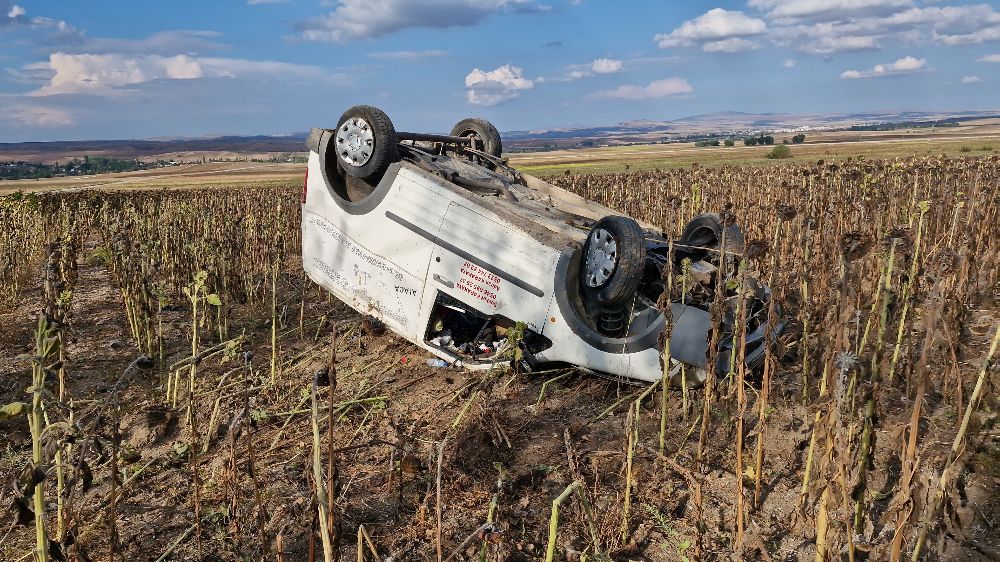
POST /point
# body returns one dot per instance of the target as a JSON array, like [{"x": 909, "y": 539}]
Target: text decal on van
[{"x": 479, "y": 283}]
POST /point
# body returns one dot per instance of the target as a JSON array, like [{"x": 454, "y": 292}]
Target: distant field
[
  {"x": 683, "y": 155},
  {"x": 980, "y": 138},
  {"x": 185, "y": 175}
]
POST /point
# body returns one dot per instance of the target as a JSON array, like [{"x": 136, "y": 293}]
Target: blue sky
[{"x": 136, "y": 69}]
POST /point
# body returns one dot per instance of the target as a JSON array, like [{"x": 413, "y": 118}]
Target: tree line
[
  {"x": 762, "y": 140},
  {"x": 89, "y": 165}
]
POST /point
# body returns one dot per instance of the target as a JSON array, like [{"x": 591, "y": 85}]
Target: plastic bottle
[{"x": 437, "y": 362}]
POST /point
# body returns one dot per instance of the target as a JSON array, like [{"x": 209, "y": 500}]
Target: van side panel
[
  {"x": 492, "y": 267},
  {"x": 374, "y": 265}
]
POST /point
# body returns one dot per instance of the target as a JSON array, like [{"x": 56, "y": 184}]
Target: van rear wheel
[
  {"x": 485, "y": 136},
  {"x": 366, "y": 143}
]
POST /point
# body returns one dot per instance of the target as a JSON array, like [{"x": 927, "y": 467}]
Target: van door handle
[{"x": 443, "y": 281}]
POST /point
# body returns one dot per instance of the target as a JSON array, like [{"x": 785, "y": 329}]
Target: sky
[{"x": 122, "y": 69}]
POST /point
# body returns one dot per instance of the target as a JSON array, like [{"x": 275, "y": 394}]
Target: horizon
[
  {"x": 929, "y": 116},
  {"x": 270, "y": 68}
]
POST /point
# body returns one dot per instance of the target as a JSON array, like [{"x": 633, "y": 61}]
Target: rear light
[{"x": 305, "y": 186}]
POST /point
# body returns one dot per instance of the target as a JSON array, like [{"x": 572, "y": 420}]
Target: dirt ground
[{"x": 502, "y": 441}]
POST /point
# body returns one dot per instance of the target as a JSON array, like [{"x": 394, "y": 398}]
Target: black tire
[
  {"x": 384, "y": 143},
  {"x": 705, "y": 231},
  {"x": 487, "y": 136},
  {"x": 630, "y": 262}
]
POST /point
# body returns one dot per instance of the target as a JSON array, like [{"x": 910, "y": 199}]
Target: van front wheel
[{"x": 613, "y": 260}]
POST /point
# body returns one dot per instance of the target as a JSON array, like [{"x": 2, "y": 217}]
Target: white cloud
[
  {"x": 578, "y": 71},
  {"x": 362, "y": 19},
  {"x": 789, "y": 63},
  {"x": 58, "y": 35},
  {"x": 606, "y": 66},
  {"x": 828, "y": 26},
  {"x": 904, "y": 65},
  {"x": 731, "y": 45},
  {"x": 37, "y": 116},
  {"x": 496, "y": 86},
  {"x": 656, "y": 89},
  {"x": 407, "y": 55},
  {"x": 971, "y": 79},
  {"x": 170, "y": 42},
  {"x": 989, "y": 58},
  {"x": 989, "y": 34},
  {"x": 58, "y": 31},
  {"x": 833, "y": 44},
  {"x": 792, "y": 10},
  {"x": 958, "y": 25},
  {"x": 715, "y": 26},
  {"x": 106, "y": 74}
]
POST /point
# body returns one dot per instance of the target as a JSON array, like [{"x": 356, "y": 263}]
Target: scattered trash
[
  {"x": 443, "y": 340},
  {"x": 438, "y": 363}
]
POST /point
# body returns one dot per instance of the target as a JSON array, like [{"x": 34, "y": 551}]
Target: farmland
[
  {"x": 827, "y": 146},
  {"x": 979, "y": 137},
  {"x": 190, "y": 395}
]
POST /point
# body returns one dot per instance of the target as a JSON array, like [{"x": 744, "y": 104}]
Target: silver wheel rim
[
  {"x": 602, "y": 257},
  {"x": 355, "y": 142}
]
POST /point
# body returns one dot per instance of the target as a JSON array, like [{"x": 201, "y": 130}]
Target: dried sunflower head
[
  {"x": 901, "y": 237},
  {"x": 855, "y": 245},
  {"x": 947, "y": 262},
  {"x": 756, "y": 249},
  {"x": 786, "y": 212}
]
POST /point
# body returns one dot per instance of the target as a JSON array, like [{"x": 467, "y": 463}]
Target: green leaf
[
  {"x": 13, "y": 410},
  {"x": 213, "y": 299},
  {"x": 181, "y": 449}
]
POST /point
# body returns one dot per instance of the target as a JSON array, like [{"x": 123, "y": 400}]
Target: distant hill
[{"x": 635, "y": 131}]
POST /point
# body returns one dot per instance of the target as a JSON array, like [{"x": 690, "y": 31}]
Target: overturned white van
[{"x": 452, "y": 249}]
